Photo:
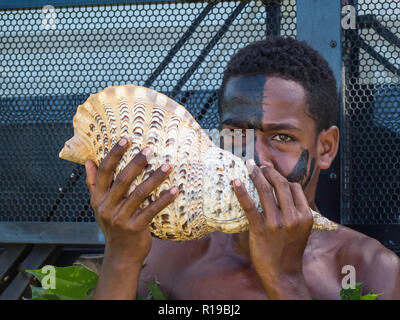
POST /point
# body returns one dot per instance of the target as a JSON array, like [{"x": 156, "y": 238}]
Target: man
[{"x": 286, "y": 92}]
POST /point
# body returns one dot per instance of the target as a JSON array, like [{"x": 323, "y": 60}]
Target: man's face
[{"x": 275, "y": 108}]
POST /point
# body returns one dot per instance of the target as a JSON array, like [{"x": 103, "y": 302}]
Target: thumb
[{"x": 91, "y": 173}]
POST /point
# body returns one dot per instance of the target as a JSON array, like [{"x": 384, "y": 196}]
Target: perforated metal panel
[
  {"x": 51, "y": 60},
  {"x": 371, "y": 172},
  {"x": 48, "y": 67}
]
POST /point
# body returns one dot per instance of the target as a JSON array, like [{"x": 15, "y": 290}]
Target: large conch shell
[{"x": 202, "y": 172}]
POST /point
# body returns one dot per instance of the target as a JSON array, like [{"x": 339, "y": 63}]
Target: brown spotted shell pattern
[{"x": 202, "y": 172}]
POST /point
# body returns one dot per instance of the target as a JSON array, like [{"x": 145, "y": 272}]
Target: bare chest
[
  {"x": 218, "y": 279},
  {"x": 228, "y": 278}
]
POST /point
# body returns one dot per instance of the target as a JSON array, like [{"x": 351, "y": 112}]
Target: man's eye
[{"x": 284, "y": 138}]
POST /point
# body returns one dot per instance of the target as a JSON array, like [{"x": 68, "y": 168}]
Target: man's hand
[
  {"x": 278, "y": 235},
  {"x": 123, "y": 219},
  {"x": 123, "y": 222}
]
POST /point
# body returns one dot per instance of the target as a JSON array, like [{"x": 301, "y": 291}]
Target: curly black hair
[{"x": 294, "y": 60}]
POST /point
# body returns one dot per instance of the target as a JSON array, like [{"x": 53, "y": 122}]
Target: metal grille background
[
  {"x": 371, "y": 171},
  {"x": 180, "y": 49}
]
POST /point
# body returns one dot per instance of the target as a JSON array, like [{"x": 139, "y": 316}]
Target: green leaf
[
  {"x": 355, "y": 294},
  {"x": 79, "y": 264},
  {"x": 352, "y": 294},
  {"x": 76, "y": 282},
  {"x": 73, "y": 282},
  {"x": 40, "y": 293},
  {"x": 155, "y": 291},
  {"x": 371, "y": 296}
]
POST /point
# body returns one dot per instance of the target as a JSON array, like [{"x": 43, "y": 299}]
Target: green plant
[
  {"x": 76, "y": 282},
  {"x": 355, "y": 294}
]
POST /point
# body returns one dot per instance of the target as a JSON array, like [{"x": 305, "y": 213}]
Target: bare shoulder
[
  {"x": 377, "y": 267},
  {"x": 364, "y": 249}
]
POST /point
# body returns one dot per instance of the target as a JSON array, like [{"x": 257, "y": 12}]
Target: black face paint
[
  {"x": 242, "y": 101},
  {"x": 311, "y": 173},
  {"x": 241, "y": 104},
  {"x": 256, "y": 157},
  {"x": 299, "y": 172}
]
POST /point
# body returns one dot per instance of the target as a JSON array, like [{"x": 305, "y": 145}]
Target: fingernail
[
  {"x": 148, "y": 153},
  {"x": 237, "y": 182},
  {"x": 174, "y": 191},
  {"x": 123, "y": 142},
  {"x": 165, "y": 167},
  {"x": 268, "y": 164},
  {"x": 250, "y": 165}
]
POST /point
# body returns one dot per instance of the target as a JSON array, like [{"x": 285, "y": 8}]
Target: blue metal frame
[
  {"x": 23, "y": 4},
  {"x": 319, "y": 25},
  {"x": 51, "y": 232},
  {"x": 273, "y": 10}
]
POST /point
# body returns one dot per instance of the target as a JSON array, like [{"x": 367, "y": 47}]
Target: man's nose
[{"x": 262, "y": 154}]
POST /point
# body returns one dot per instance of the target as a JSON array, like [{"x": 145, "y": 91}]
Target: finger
[
  {"x": 145, "y": 188},
  {"x": 147, "y": 214},
  {"x": 105, "y": 173},
  {"x": 246, "y": 202},
  {"x": 300, "y": 200},
  {"x": 91, "y": 172},
  {"x": 264, "y": 189},
  {"x": 282, "y": 191},
  {"x": 124, "y": 179}
]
